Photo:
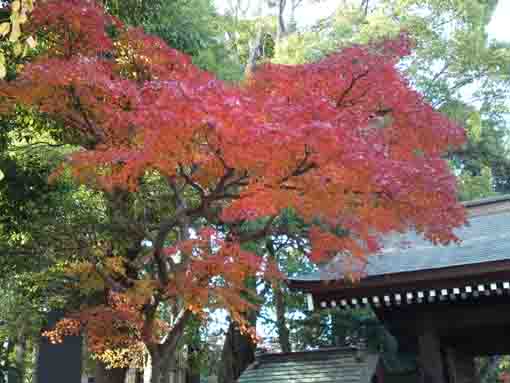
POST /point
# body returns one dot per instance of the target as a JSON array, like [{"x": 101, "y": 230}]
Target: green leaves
[{"x": 11, "y": 35}]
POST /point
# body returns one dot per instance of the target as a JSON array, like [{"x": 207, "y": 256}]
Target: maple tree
[{"x": 192, "y": 168}]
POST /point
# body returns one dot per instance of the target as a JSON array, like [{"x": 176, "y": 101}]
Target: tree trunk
[
  {"x": 255, "y": 49},
  {"x": 19, "y": 351},
  {"x": 255, "y": 45},
  {"x": 281, "y": 30},
  {"x": 35, "y": 346},
  {"x": 109, "y": 375},
  {"x": 279, "y": 302},
  {"x": 192, "y": 376},
  {"x": 167, "y": 369},
  {"x": 139, "y": 376},
  {"x": 238, "y": 353},
  {"x": 161, "y": 353},
  {"x": 292, "y": 25},
  {"x": 162, "y": 365},
  {"x": 281, "y": 323},
  {"x": 193, "y": 357}
]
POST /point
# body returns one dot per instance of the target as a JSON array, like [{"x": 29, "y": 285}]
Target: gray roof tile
[
  {"x": 485, "y": 239},
  {"x": 319, "y": 366}
]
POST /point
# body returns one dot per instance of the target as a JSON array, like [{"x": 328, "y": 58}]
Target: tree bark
[
  {"x": 139, "y": 376},
  {"x": 281, "y": 323},
  {"x": 192, "y": 376},
  {"x": 281, "y": 30},
  {"x": 193, "y": 357},
  {"x": 279, "y": 302},
  {"x": 255, "y": 45},
  {"x": 109, "y": 375},
  {"x": 161, "y": 353},
  {"x": 156, "y": 369},
  {"x": 35, "y": 346},
  {"x": 19, "y": 351},
  {"x": 167, "y": 368},
  {"x": 238, "y": 353},
  {"x": 255, "y": 49}
]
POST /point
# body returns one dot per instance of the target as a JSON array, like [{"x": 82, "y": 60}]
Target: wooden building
[{"x": 446, "y": 304}]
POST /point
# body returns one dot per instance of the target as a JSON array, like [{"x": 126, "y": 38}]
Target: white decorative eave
[{"x": 415, "y": 297}]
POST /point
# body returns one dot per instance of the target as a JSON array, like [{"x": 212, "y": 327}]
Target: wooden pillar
[
  {"x": 430, "y": 359},
  {"x": 461, "y": 367}
]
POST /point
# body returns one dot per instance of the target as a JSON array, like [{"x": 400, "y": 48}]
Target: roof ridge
[
  {"x": 487, "y": 201},
  {"x": 307, "y": 352}
]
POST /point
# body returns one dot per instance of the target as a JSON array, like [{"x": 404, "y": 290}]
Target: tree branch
[
  {"x": 170, "y": 343},
  {"x": 346, "y": 92}
]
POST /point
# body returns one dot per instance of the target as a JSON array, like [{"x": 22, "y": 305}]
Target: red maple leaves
[{"x": 346, "y": 143}]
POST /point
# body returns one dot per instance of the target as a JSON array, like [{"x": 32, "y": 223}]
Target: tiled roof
[
  {"x": 319, "y": 366},
  {"x": 486, "y": 239}
]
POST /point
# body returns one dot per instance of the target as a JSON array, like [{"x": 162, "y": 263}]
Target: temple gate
[{"x": 446, "y": 304}]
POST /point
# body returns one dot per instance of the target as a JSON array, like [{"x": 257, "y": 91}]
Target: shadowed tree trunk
[
  {"x": 139, "y": 376},
  {"x": 20, "y": 351},
  {"x": 279, "y": 302},
  {"x": 162, "y": 353},
  {"x": 169, "y": 368},
  {"x": 281, "y": 29},
  {"x": 109, "y": 375},
  {"x": 193, "y": 360},
  {"x": 238, "y": 353},
  {"x": 281, "y": 323}
]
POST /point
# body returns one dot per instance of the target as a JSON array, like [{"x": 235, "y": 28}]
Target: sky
[
  {"x": 498, "y": 27},
  {"x": 307, "y": 14}
]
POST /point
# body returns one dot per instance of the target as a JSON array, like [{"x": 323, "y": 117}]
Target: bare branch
[{"x": 190, "y": 182}]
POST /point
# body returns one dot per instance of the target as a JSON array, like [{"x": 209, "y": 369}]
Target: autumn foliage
[{"x": 345, "y": 143}]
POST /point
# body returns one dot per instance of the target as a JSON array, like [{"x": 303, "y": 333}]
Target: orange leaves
[
  {"x": 114, "y": 331},
  {"x": 64, "y": 327}
]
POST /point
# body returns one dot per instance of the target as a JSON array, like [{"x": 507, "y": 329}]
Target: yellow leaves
[
  {"x": 17, "y": 49},
  {"x": 12, "y": 29},
  {"x": 4, "y": 29},
  {"x": 115, "y": 264},
  {"x": 15, "y": 27},
  {"x": 3, "y": 68},
  {"x": 16, "y": 6},
  {"x": 89, "y": 279},
  {"x": 131, "y": 356},
  {"x": 31, "y": 42}
]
